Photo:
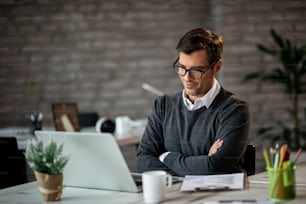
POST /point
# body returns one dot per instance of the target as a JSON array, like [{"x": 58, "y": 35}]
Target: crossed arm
[{"x": 213, "y": 149}]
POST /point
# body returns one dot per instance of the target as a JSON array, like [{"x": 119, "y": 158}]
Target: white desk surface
[{"x": 29, "y": 193}]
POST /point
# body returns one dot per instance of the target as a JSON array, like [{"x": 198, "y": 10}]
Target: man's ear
[{"x": 218, "y": 66}]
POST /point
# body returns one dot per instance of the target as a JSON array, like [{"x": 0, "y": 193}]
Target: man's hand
[{"x": 215, "y": 147}]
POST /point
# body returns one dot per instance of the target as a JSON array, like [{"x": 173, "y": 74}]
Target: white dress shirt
[{"x": 205, "y": 100}]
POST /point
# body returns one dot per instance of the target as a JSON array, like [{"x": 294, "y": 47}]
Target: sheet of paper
[{"x": 213, "y": 182}]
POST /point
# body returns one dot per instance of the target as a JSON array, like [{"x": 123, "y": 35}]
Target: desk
[{"x": 29, "y": 193}]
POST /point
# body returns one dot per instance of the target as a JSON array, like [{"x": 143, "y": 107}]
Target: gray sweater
[{"x": 188, "y": 135}]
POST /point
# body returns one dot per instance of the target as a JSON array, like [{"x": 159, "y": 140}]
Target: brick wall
[{"x": 95, "y": 53}]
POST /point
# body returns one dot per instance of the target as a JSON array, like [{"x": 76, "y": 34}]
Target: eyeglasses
[{"x": 195, "y": 73}]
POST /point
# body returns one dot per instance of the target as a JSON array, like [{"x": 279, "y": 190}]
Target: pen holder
[{"x": 282, "y": 183}]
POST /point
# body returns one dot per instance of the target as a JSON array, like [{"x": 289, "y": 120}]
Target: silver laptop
[{"x": 95, "y": 161}]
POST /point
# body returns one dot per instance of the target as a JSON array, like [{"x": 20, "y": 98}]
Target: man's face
[{"x": 196, "y": 88}]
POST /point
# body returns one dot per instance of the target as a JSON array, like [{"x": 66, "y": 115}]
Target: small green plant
[{"x": 46, "y": 159}]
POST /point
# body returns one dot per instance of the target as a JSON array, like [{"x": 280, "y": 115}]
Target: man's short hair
[{"x": 200, "y": 38}]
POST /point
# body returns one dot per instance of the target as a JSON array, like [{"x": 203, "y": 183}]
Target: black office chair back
[
  {"x": 88, "y": 119},
  {"x": 249, "y": 160},
  {"x": 12, "y": 163}
]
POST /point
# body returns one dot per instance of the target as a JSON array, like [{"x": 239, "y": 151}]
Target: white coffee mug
[
  {"x": 154, "y": 184},
  {"x": 122, "y": 126}
]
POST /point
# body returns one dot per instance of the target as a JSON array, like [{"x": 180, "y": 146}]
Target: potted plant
[
  {"x": 48, "y": 164},
  {"x": 291, "y": 74}
]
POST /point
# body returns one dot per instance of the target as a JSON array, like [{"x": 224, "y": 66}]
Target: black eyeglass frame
[{"x": 175, "y": 67}]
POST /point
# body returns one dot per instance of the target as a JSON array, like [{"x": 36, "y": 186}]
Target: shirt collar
[{"x": 206, "y": 100}]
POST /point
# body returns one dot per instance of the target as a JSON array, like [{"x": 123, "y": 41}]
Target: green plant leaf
[
  {"x": 301, "y": 52},
  {"x": 277, "y": 39},
  {"x": 251, "y": 76},
  {"x": 265, "y": 49},
  {"x": 46, "y": 159}
]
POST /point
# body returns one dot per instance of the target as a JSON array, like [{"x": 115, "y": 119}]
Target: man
[{"x": 202, "y": 130}]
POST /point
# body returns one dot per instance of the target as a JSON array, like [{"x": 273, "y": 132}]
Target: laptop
[{"x": 95, "y": 161}]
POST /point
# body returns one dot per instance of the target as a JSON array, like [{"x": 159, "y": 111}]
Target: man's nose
[{"x": 187, "y": 75}]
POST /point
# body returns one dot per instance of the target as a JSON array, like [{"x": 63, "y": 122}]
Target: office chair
[
  {"x": 12, "y": 163},
  {"x": 88, "y": 119},
  {"x": 249, "y": 160}
]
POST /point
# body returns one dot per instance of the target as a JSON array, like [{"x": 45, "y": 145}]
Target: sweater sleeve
[
  {"x": 152, "y": 144},
  {"x": 233, "y": 128}
]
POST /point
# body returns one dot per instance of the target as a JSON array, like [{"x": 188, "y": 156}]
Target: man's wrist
[{"x": 163, "y": 156}]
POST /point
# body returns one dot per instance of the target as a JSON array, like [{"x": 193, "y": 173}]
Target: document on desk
[{"x": 213, "y": 182}]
